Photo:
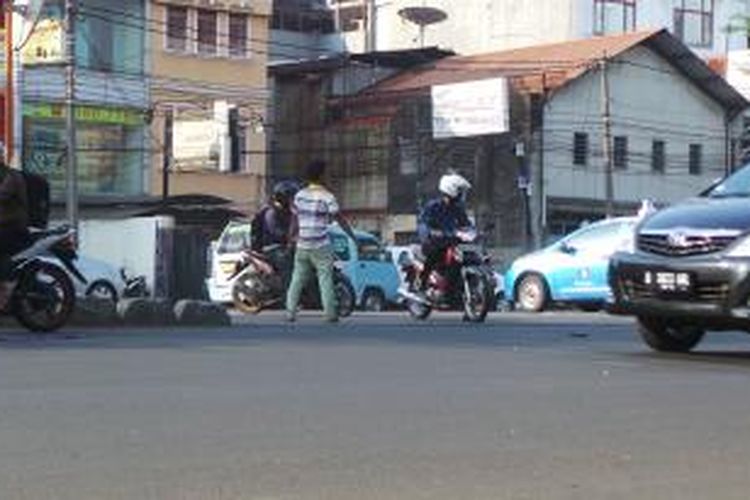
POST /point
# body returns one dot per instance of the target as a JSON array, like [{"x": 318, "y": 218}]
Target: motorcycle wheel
[
  {"x": 477, "y": 302},
  {"x": 345, "y": 297},
  {"x": 44, "y": 298},
  {"x": 244, "y": 296},
  {"x": 418, "y": 310}
]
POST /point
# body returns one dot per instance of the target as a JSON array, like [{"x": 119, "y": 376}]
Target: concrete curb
[
  {"x": 95, "y": 312},
  {"x": 200, "y": 313}
]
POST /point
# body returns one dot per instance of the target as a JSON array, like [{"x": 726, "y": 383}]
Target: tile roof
[{"x": 551, "y": 66}]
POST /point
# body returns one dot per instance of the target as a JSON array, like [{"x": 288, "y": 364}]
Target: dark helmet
[{"x": 284, "y": 191}]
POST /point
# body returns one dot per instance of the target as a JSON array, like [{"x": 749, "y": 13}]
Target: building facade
[
  {"x": 209, "y": 98},
  {"x": 303, "y": 30},
  {"x": 111, "y": 98},
  {"x": 709, "y": 27},
  {"x": 672, "y": 121}
]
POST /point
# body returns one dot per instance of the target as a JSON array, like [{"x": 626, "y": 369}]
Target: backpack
[{"x": 38, "y": 195}]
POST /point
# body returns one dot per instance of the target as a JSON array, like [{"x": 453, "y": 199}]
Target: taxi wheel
[
  {"x": 531, "y": 293},
  {"x": 373, "y": 301}
]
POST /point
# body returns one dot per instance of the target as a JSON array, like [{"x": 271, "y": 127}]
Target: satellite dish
[{"x": 422, "y": 17}]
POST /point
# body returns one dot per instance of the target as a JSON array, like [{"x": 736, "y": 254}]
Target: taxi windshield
[{"x": 736, "y": 185}]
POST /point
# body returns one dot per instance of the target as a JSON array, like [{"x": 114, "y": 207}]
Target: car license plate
[{"x": 666, "y": 281}]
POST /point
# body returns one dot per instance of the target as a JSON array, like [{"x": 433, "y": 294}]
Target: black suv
[{"x": 689, "y": 270}]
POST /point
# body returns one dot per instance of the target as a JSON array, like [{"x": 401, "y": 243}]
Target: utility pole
[
  {"x": 167, "y": 154},
  {"x": 607, "y": 139},
  {"x": 9, "y": 120},
  {"x": 70, "y": 116}
]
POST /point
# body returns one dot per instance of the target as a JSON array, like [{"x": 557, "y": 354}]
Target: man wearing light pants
[{"x": 314, "y": 209}]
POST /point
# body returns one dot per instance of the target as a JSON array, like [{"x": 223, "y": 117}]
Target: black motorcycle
[
  {"x": 258, "y": 283},
  {"x": 43, "y": 297}
]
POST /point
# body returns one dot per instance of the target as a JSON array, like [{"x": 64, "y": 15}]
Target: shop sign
[
  {"x": 92, "y": 114},
  {"x": 46, "y": 44},
  {"x": 194, "y": 139}
]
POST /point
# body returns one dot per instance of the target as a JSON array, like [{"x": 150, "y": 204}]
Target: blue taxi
[
  {"x": 571, "y": 270},
  {"x": 369, "y": 267}
]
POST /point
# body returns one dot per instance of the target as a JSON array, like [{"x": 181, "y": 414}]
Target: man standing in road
[{"x": 314, "y": 209}]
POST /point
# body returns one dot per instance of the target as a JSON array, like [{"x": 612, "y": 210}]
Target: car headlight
[
  {"x": 741, "y": 249},
  {"x": 627, "y": 246}
]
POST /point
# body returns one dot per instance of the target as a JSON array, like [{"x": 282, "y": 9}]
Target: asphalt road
[{"x": 558, "y": 406}]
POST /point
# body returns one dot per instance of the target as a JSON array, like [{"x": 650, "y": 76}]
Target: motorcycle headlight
[{"x": 741, "y": 249}]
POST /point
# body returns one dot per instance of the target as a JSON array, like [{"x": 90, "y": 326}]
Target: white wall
[
  {"x": 476, "y": 26},
  {"x": 646, "y": 104},
  {"x": 133, "y": 244}
]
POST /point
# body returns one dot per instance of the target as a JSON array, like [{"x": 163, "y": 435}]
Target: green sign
[{"x": 91, "y": 114}]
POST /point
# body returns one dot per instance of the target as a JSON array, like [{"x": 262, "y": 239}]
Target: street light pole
[{"x": 70, "y": 118}]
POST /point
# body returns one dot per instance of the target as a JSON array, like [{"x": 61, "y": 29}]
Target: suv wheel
[{"x": 665, "y": 337}]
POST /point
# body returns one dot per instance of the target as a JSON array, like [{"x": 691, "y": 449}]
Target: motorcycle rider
[
  {"x": 272, "y": 223},
  {"x": 272, "y": 226},
  {"x": 439, "y": 221},
  {"x": 14, "y": 221}
]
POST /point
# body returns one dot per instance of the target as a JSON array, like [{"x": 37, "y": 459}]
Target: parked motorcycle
[
  {"x": 43, "y": 297},
  {"x": 135, "y": 286},
  {"x": 258, "y": 284},
  {"x": 465, "y": 281}
]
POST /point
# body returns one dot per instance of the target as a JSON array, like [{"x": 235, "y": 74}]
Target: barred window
[
  {"x": 621, "y": 152},
  {"x": 658, "y": 156},
  {"x": 694, "y": 22},
  {"x": 696, "y": 159},
  {"x": 177, "y": 24},
  {"x": 614, "y": 16},
  {"x": 580, "y": 148}
]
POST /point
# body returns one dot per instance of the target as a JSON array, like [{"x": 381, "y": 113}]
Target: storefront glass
[{"x": 109, "y": 142}]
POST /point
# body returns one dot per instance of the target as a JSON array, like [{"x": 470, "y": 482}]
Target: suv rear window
[{"x": 235, "y": 238}]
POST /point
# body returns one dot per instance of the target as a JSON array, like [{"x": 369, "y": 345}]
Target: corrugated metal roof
[{"x": 549, "y": 67}]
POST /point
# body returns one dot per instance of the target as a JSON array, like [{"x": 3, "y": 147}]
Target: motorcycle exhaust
[{"x": 414, "y": 297}]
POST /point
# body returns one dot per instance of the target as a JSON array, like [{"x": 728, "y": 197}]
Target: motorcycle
[
  {"x": 258, "y": 284},
  {"x": 135, "y": 286},
  {"x": 43, "y": 297},
  {"x": 465, "y": 281}
]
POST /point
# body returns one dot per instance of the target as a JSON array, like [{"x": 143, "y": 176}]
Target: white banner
[
  {"x": 472, "y": 108},
  {"x": 193, "y": 140}
]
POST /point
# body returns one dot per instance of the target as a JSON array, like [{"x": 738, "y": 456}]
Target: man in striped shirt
[{"x": 314, "y": 210}]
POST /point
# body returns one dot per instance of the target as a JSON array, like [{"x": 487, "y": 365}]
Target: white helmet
[{"x": 453, "y": 185}]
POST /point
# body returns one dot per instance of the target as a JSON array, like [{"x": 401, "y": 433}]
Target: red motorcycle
[{"x": 464, "y": 281}]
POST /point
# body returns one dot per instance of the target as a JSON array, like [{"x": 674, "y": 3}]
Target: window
[
  {"x": 177, "y": 22},
  {"x": 340, "y": 244},
  {"x": 614, "y": 16},
  {"x": 598, "y": 236},
  {"x": 621, "y": 152},
  {"x": 207, "y": 32},
  {"x": 580, "y": 148},
  {"x": 370, "y": 250},
  {"x": 693, "y": 22},
  {"x": 238, "y": 35},
  {"x": 696, "y": 159},
  {"x": 658, "y": 156}
]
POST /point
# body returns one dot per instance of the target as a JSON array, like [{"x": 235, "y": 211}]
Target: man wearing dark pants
[{"x": 314, "y": 209}]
